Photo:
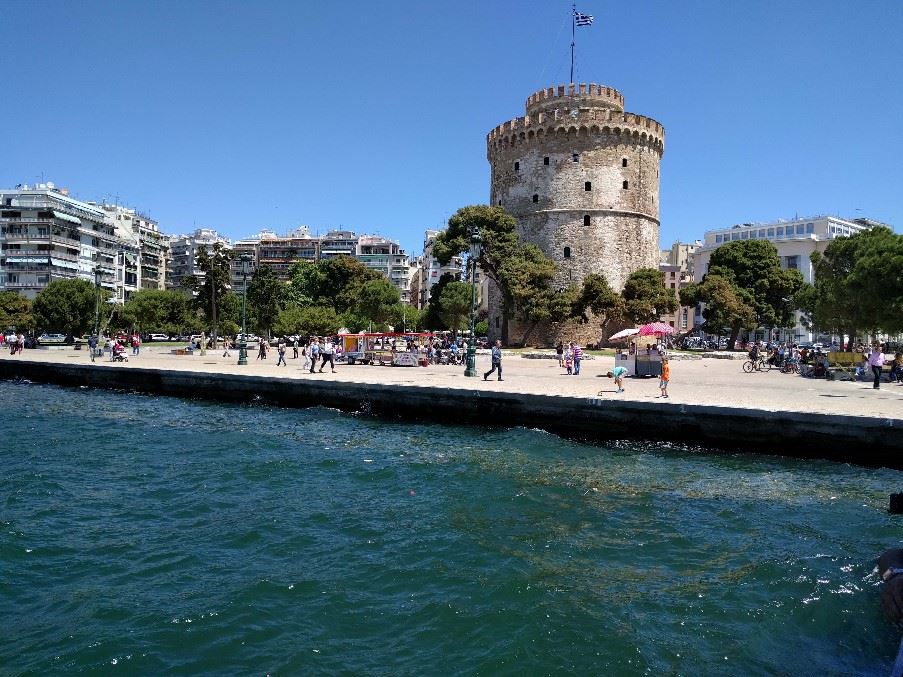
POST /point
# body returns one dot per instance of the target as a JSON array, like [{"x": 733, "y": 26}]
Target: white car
[{"x": 158, "y": 337}]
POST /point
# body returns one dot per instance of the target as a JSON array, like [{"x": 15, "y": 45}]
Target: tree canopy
[
  {"x": 212, "y": 286},
  {"x": 266, "y": 296},
  {"x": 750, "y": 290},
  {"x": 858, "y": 284},
  {"x": 157, "y": 310},
  {"x": 645, "y": 296},
  {"x": 522, "y": 272},
  {"x": 67, "y": 306},
  {"x": 15, "y": 312}
]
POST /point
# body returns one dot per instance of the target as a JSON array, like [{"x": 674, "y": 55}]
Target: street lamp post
[
  {"x": 476, "y": 248},
  {"x": 243, "y": 344},
  {"x": 97, "y": 273}
]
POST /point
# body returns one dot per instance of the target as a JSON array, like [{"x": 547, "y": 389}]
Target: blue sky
[{"x": 373, "y": 115}]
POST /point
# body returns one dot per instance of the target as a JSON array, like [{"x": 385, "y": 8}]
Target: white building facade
[{"x": 46, "y": 235}]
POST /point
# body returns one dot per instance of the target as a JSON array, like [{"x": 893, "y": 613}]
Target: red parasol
[{"x": 655, "y": 329}]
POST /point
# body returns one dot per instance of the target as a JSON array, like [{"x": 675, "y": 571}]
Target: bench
[{"x": 181, "y": 351}]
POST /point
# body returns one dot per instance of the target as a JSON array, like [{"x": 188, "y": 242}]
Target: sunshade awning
[{"x": 67, "y": 217}]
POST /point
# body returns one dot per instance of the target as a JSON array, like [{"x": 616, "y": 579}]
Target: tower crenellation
[{"x": 581, "y": 177}]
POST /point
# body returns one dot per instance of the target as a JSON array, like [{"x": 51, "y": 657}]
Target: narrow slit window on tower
[
  {"x": 588, "y": 185},
  {"x": 500, "y": 203},
  {"x": 625, "y": 185},
  {"x": 575, "y": 157},
  {"x": 517, "y": 166},
  {"x": 624, "y": 162},
  {"x": 545, "y": 160},
  {"x": 567, "y": 252},
  {"x": 586, "y": 220},
  {"x": 535, "y": 197}
]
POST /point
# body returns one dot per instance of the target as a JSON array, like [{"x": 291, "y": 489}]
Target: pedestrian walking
[
  {"x": 327, "y": 355},
  {"x": 227, "y": 343},
  {"x": 568, "y": 361},
  {"x": 665, "y": 378},
  {"x": 281, "y": 349},
  {"x": 305, "y": 352},
  {"x": 496, "y": 361},
  {"x": 559, "y": 350},
  {"x": 314, "y": 353},
  {"x": 618, "y": 373},
  {"x": 92, "y": 346},
  {"x": 578, "y": 356},
  {"x": 295, "y": 348},
  {"x": 876, "y": 362},
  {"x": 136, "y": 344},
  {"x": 262, "y": 350}
]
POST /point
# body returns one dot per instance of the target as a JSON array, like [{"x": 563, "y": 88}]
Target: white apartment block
[
  {"x": 431, "y": 270},
  {"x": 46, "y": 235},
  {"x": 153, "y": 246},
  {"x": 184, "y": 251}
]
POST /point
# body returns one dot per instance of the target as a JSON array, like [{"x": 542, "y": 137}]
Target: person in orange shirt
[{"x": 666, "y": 376}]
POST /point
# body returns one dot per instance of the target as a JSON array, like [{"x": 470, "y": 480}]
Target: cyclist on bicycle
[{"x": 754, "y": 352}]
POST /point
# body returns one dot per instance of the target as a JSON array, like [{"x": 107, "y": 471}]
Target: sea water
[{"x": 151, "y": 535}]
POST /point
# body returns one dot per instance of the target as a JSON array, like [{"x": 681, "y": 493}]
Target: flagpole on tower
[{"x": 573, "y": 34}]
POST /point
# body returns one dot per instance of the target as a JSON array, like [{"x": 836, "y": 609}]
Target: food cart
[
  {"x": 641, "y": 357},
  {"x": 384, "y": 348}
]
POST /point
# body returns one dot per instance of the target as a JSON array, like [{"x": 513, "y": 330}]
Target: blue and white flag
[{"x": 583, "y": 19}]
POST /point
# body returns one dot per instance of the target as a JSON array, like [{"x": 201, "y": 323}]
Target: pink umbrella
[{"x": 655, "y": 329}]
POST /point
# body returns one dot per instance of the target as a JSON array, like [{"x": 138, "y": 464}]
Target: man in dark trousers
[{"x": 496, "y": 361}]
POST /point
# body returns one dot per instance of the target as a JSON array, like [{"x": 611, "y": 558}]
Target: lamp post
[
  {"x": 97, "y": 273},
  {"x": 476, "y": 248},
  {"x": 243, "y": 344}
]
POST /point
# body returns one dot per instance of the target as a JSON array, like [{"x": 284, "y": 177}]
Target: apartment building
[
  {"x": 184, "y": 251},
  {"x": 46, "y": 235},
  {"x": 390, "y": 259},
  {"x": 153, "y": 246}
]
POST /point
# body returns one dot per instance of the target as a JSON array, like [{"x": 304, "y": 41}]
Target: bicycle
[
  {"x": 790, "y": 366},
  {"x": 755, "y": 365}
]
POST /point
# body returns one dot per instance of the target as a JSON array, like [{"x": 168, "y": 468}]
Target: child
[
  {"x": 568, "y": 364},
  {"x": 666, "y": 376},
  {"x": 618, "y": 373}
]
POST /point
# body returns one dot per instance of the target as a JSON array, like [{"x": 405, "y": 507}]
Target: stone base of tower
[{"x": 547, "y": 334}]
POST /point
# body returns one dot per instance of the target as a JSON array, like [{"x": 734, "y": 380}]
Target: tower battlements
[
  {"x": 593, "y": 121},
  {"x": 575, "y": 96}
]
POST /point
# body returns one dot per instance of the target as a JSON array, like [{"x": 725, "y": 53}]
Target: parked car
[
  {"x": 51, "y": 339},
  {"x": 158, "y": 337}
]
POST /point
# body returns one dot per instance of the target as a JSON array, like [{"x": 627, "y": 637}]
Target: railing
[{"x": 40, "y": 253}]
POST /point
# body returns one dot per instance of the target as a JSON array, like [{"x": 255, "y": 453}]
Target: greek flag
[{"x": 583, "y": 19}]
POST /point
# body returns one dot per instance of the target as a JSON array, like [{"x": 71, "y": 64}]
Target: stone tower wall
[{"x": 582, "y": 179}]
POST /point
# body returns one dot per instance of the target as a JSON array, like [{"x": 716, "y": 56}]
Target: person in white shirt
[{"x": 327, "y": 355}]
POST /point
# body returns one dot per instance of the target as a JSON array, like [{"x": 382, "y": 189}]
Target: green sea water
[{"x": 144, "y": 536}]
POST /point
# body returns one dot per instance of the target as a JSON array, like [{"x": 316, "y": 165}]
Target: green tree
[
  {"x": 521, "y": 271},
  {"x": 405, "y": 318},
  {"x": 67, "y": 306},
  {"x": 212, "y": 286},
  {"x": 157, "y": 310},
  {"x": 645, "y": 296},
  {"x": 265, "y": 298},
  {"x": 432, "y": 316},
  {"x": 305, "y": 282},
  {"x": 753, "y": 270},
  {"x": 726, "y": 310},
  {"x": 604, "y": 302},
  {"x": 311, "y": 321},
  {"x": 858, "y": 287},
  {"x": 481, "y": 328},
  {"x": 454, "y": 305},
  {"x": 15, "y": 312},
  {"x": 375, "y": 299}
]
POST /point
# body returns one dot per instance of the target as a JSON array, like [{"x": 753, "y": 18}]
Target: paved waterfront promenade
[{"x": 710, "y": 382}]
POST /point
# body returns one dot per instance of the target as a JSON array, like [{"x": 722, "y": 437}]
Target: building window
[
  {"x": 545, "y": 160},
  {"x": 624, "y": 162},
  {"x": 673, "y": 275},
  {"x": 535, "y": 197},
  {"x": 517, "y": 166},
  {"x": 586, "y": 220},
  {"x": 780, "y": 231},
  {"x": 672, "y": 285},
  {"x": 624, "y": 185},
  {"x": 792, "y": 262},
  {"x": 771, "y": 232},
  {"x": 567, "y": 252},
  {"x": 588, "y": 185},
  {"x": 500, "y": 203},
  {"x": 718, "y": 239},
  {"x": 575, "y": 157},
  {"x": 810, "y": 227},
  {"x": 800, "y": 229},
  {"x": 761, "y": 233}
]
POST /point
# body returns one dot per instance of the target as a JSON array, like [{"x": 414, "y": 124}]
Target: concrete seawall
[{"x": 854, "y": 439}]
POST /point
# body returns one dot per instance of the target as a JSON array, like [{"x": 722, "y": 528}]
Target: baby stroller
[{"x": 119, "y": 354}]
